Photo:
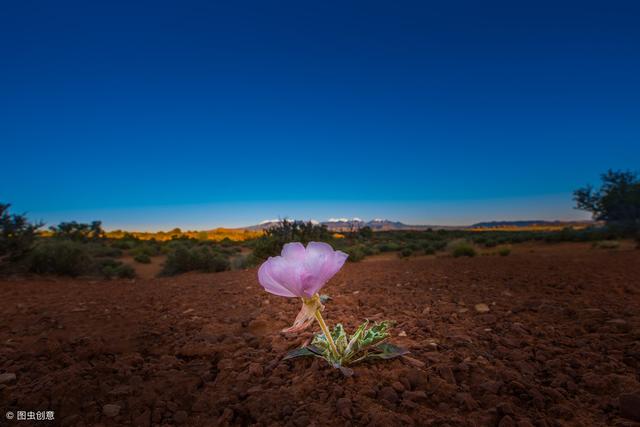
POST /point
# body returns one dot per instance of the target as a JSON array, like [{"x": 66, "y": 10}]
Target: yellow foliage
[{"x": 216, "y": 235}]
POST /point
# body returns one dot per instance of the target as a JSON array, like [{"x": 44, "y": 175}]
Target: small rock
[
  {"x": 7, "y": 378},
  {"x": 414, "y": 362},
  {"x": 111, "y": 410},
  {"x": 482, "y": 308},
  {"x": 397, "y": 386},
  {"x": 630, "y": 406},
  {"x": 402, "y": 334},
  {"x": 389, "y": 394}
]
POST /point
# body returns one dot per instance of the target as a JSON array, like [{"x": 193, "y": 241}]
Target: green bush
[
  {"x": 356, "y": 254},
  {"x": 103, "y": 251},
  {"x": 145, "y": 249},
  {"x": 464, "y": 250},
  {"x": 461, "y": 247},
  {"x": 199, "y": 258},
  {"x": 504, "y": 251},
  {"x": 242, "y": 262},
  {"x": 123, "y": 244},
  {"x": 429, "y": 250},
  {"x": 17, "y": 236},
  {"x": 490, "y": 243},
  {"x": 142, "y": 259},
  {"x": 405, "y": 253},
  {"x": 388, "y": 247},
  {"x": 119, "y": 270},
  {"x": 66, "y": 258},
  {"x": 289, "y": 231}
]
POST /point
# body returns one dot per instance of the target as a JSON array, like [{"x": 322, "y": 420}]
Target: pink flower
[{"x": 299, "y": 271}]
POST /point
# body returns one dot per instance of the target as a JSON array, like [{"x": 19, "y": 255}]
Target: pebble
[
  {"x": 7, "y": 378},
  {"x": 111, "y": 410},
  {"x": 397, "y": 386},
  {"x": 482, "y": 308}
]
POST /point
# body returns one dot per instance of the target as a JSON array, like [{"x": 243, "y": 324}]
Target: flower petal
[
  {"x": 287, "y": 273},
  {"x": 306, "y": 315},
  {"x": 294, "y": 251},
  {"x": 269, "y": 283}
]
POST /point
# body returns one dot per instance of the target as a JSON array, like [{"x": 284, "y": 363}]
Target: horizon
[
  {"x": 199, "y": 217},
  {"x": 154, "y": 115}
]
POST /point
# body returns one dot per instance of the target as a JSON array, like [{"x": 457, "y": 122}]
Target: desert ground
[{"x": 547, "y": 336}]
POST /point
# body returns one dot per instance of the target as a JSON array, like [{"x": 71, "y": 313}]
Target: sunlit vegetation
[{"x": 216, "y": 235}]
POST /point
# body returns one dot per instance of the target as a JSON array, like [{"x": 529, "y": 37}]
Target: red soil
[{"x": 559, "y": 346}]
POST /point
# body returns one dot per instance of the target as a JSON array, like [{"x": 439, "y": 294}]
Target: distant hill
[
  {"x": 354, "y": 224},
  {"x": 530, "y": 224},
  {"x": 350, "y": 224}
]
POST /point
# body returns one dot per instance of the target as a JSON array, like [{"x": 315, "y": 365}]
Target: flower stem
[{"x": 327, "y": 334}]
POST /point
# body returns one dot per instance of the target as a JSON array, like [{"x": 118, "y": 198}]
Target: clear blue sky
[{"x": 200, "y": 114}]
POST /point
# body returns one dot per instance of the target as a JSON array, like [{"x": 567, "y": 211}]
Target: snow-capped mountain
[{"x": 347, "y": 224}]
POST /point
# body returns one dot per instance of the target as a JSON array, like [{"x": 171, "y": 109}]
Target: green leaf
[
  {"x": 339, "y": 336},
  {"x": 354, "y": 343},
  {"x": 309, "y": 350},
  {"x": 386, "y": 351},
  {"x": 324, "y": 298},
  {"x": 375, "y": 334}
]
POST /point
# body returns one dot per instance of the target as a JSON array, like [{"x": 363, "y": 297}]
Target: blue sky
[{"x": 200, "y": 114}]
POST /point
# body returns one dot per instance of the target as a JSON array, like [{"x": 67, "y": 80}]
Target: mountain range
[{"x": 353, "y": 224}]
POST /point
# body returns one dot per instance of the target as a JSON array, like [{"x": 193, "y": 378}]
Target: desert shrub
[
  {"x": 617, "y": 201},
  {"x": 388, "y": 247},
  {"x": 242, "y": 262},
  {"x": 112, "y": 268},
  {"x": 464, "y": 250},
  {"x": 429, "y": 250},
  {"x": 461, "y": 247},
  {"x": 102, "y": 251},
  {"x": 490, "y": 243},
  {"x": 289, "y": 231},
  {"x": 607, "y": 244},
  {"x": 356, "y": 253},
  {"x": 17, "y": 236},
  {"x": 439, "y": 245},
  {"x": 65, "y": 258},
  {"x": 145, "y": 249},
  {"x": 122, "y": 244},
  {"x": 405, "y": 253},
  {"x": 142, "y": 259},
  {"x": 199, "y": 258},
  {"x": 504, "y": 251},
  {"x": 78, "y": 231}
]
